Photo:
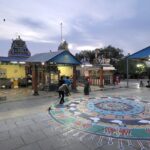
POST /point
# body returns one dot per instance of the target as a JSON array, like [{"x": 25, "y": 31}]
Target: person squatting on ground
[{"x": 62, "y": 89}]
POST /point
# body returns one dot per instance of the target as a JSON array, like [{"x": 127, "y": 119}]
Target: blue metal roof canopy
[
  {"x": 58, "y": 57},
  {"x": 142, "y": 54},
  {"x": 9, "y": 59}
]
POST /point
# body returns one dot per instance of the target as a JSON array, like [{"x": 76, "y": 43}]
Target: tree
[
  {"x": 112, "y": 53},
  {"x": 109, "y": 52},
  {"x": 87, "y": 55},
  {"x": 137, "y": 69}
]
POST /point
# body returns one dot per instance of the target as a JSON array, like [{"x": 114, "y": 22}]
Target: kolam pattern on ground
[{"x": 116, "y": 117}]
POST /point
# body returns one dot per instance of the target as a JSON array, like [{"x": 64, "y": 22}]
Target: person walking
[
  {"x": 62, "y": 89},
  {"x": 61, "y": 82},
  {"x": 68, "y": 82},
  {"x": 86, "y": 87}
]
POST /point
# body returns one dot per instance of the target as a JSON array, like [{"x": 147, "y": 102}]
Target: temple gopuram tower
[
  {"x": 19, "y": 49},
  {"x": 13, "y": 69}
]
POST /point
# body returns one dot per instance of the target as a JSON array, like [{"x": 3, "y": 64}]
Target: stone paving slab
[
  {"x": 11, "y": 143},
  {"x": 18, "y": 131},
  {"x": 33, "y": 137},
  {"x": 26, "y": 125},
  {"x": 4, "y": 135},
  {"x": 46, "y": 144},
  {"x": 10, "y": 95},
  {"x": 33, "y": 146}
]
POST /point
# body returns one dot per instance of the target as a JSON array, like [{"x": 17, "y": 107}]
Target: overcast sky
[{"x": 87, "y": 24}]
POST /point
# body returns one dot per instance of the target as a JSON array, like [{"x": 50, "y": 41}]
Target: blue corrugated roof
[
  {"x": 9, "y": 59},
  {"x": 43, "y": 57},
  {"x": 65, "y": 58},
  {"x": 142, "y": 54},
  {"x": 59, "y": 57}
]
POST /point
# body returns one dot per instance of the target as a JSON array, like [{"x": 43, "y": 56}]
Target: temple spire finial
[{"x": 61, "y": 30}]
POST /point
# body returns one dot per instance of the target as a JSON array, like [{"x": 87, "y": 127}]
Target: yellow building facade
[
  {"x": 12, "y": 68},
  {"x": 12, "y": 71},
  {"x": 66, "y": 70}
]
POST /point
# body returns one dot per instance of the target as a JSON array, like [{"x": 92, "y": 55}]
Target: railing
[{"x": 94, "y": 81}]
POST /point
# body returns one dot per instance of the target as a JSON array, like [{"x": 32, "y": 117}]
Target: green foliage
[
  {"x": 140, "y": 68},
  {"x": 137, "y": 71},
  {"x": 114, "y": 54},
  {"x": 87, "y": 55},
  {"x": 121, "y": 66},
  {"x": 117, "y": 59},
  {"x": 111, "y": 52},
  {"x": 134, "y": 71}
]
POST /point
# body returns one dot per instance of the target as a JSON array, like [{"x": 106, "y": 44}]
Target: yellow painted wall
[
  {"x": 54, "y": 78},
  {"x": 13, "y": 70},
  {"x": 65, "y": 70}
]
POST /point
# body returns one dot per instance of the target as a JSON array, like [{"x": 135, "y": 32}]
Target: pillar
[
  {"x": 43, "y": 74},
  {"x": 74, "y": 84},
  {"x": 101, "y": 78},
  {"x": 58, "y": 75},
  {"x": 35, "y": 79}
]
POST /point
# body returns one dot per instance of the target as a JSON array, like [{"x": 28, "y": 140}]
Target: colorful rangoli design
[{"x": 112, "y": 117}]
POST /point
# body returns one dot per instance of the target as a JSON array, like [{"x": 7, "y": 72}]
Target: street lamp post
[{"x": 128, "y": 70}]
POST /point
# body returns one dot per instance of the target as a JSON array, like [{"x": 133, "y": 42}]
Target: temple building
[
  {"x": 47, "y": 68},
  {"x": 100, "y": 73},
  {"x": 44, "y": 69},
  {"x": 12, "y": 68}
]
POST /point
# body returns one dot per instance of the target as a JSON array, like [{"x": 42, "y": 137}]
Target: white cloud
[
  {"x": 77, "y": 48},
  {"x": 85, "y": 22},
  {"x": 85, "y": 47},
  {"x": 88, "y": 47}
]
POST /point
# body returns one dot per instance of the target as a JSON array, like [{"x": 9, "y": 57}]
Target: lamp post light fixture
[
  {"x": 43, "y": 63},
  {"x": 139, "y": 65}
]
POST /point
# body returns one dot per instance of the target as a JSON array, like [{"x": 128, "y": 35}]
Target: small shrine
[
  {"x": 99, "y": 73},
  {"x": 48, "y": 67}
]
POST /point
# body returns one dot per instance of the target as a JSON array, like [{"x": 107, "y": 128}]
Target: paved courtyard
[{"x": 115, "y": 119}]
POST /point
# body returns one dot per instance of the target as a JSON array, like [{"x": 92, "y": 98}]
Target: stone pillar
[
  {"x": 35, "y": 79},
  {"x": 58, "y": 75},
  {"x": 26, "y": 70},
  {"x": 101, "y": 78},
  {"x": 74, "y": 85},
  {"x": 43, "y": 74},
  {"x": 49, "y": 77}
]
